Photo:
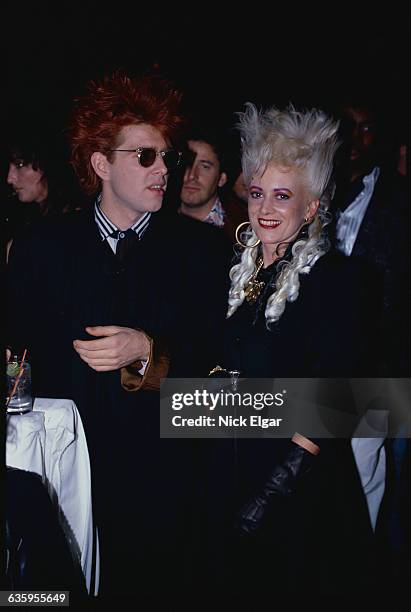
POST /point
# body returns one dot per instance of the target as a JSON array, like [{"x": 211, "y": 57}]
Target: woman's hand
[
  {"x": 251, "y": 516},
  {"x": 281, "y": 483}
]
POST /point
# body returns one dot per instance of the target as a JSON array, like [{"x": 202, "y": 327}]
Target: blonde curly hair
[{"x": 306, "y": 140}]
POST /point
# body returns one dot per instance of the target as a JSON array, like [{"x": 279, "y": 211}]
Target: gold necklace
[{"x": 254, "y": 287}]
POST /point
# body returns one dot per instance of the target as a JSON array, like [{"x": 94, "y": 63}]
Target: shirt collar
[
  {"x": 371, "y": 178},
  {"x": 216, "y": 216},
  {"x": 108, "y": 229}
]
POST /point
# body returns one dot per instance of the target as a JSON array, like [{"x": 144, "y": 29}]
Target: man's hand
[{"x": 115, "y": 348}]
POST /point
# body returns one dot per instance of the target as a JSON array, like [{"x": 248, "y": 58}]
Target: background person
[
  {"x": 206, "y": 174},
  {"x": 40, "y": 178}
]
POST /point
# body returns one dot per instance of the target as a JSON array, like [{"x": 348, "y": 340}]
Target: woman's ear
[
  {"x": 312, "y": 209},
  {"x": 100, "y": 165}
]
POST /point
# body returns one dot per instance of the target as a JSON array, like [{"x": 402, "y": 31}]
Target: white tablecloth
[{"x": 50, "y": 441}]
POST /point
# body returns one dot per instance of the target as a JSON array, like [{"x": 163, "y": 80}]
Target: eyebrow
[
  {"x": 275, "y": 188},
  {"x": 206, "y": 161},
  {"x": 131, "y": 147}
]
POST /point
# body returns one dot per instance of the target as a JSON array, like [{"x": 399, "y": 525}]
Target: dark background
[{"x": 312, "y": 56}]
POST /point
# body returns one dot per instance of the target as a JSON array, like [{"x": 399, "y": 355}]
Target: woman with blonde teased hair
[{"x": 294, "y": 511}]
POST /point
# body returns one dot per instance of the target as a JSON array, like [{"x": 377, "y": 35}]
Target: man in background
[{"x": 207, "y": 173}]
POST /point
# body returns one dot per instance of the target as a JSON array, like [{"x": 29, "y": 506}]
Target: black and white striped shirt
[{"x": 111, "y": 232}]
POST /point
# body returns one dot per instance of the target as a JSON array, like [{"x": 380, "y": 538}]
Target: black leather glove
[{"x": 281, "y": 483}]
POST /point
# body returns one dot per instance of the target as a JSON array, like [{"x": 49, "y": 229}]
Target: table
[{"x": 51, "y": 442}]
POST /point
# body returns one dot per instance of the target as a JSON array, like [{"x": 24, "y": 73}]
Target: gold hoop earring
[
  {"x": 307, "y": 221},
  {"x": 245, "y": 246}
]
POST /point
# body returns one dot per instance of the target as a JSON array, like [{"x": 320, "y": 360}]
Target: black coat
[
  {"x": 333, "y": 329},
  {"x": 318, "y": 541},
  {"x": 383, "y": 242},
  {"x": 62, "y": 278}
]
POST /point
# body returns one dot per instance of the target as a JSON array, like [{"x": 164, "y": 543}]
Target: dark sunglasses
[{"x": 148, "y": 155}]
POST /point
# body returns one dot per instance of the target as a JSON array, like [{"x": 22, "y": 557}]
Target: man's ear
[
  {"x": 223, "y": 179},
  {"x": 100, "y": 165}
]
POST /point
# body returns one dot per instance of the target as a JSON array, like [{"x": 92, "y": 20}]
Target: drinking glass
[{"x": 19, "y": 399}]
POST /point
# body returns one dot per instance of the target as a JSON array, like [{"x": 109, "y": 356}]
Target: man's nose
[
  {"x": 192, "y": 172},
  {"x": 160, "y": 166},
  {"x": 11, "y": 175},
  {"x": 356, "y": 134}
]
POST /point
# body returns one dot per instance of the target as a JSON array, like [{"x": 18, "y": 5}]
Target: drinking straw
[{"x": 19, "y": 375}]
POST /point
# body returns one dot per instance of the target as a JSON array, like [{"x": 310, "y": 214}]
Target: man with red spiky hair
[{"x": 111, "y": 299}]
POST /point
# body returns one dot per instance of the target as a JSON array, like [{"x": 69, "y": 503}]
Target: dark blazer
[
  {"x": 63, "y": 277},
  {"x": 382, "y": 241},
  {"x": 175, "y": 278},
  {"x": 332, "y": 329}
]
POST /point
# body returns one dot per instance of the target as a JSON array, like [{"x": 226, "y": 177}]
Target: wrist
[
  {"x": 145, "y": 348},
  {"x": 305, "y": 443}
]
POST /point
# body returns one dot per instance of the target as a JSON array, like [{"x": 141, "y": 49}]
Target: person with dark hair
[
  {"x": 121, "y": 303},
  {"x": 26, "y": 177},
  {"x": 41, "y": 179},
  {"x": 207, "y": 173},
  {"x": 371, "y": 217}
]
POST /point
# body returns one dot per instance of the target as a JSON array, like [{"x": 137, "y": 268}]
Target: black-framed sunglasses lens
[{"x": 148, "y": 156}]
